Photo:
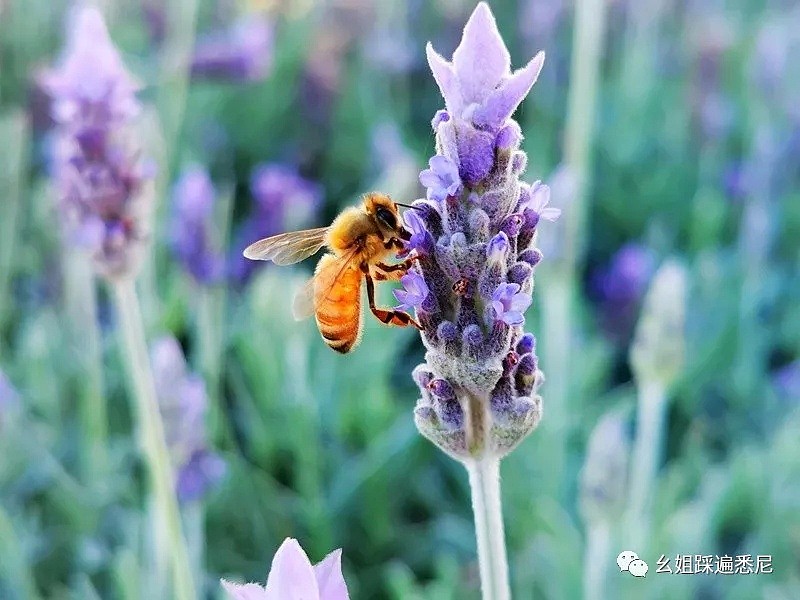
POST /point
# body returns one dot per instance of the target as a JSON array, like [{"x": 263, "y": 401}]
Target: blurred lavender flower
[
  {"x": 620, "y": 287},
  {"x": 97, "y": 167},
  {"x": 242, "y": 53},
  {"x": 785, "y": 380},
  {"x": 191, "y": 227},
  {"x": 605, "y": 473},
  {"x": 292, "y": 577},
  {"x": 9, "y": 399},
  {"x": 474, "y": 238},
  {"x": 183, "y": 404},
  {"x": 285, "y": 201}
]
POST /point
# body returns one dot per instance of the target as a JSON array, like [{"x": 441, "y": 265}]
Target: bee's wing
[
  {"x": 288, "y": 248},
  {"x": 306, "y": 298}
]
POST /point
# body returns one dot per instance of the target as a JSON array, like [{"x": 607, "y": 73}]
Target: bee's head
[{"x": 384, "y": 211}]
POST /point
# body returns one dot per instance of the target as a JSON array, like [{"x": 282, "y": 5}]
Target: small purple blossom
[
  {"x": 183, "y": 403},
  {"x": 442, "y": 179},
  {"x": 191, "y": 230},
  {"x": 292, "y": 577},
  {"x": 540, "y": 198},
  {"x": 509, "y": 303},
  {"x": 96, "y": 165},
  {"x": 242, "y": 53},
  {"x": 414, "y": 291}
]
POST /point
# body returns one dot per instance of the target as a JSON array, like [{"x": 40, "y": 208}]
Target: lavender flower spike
[
  {"x": 480, "y": 378},
  {"x": 97, "y": 168},
  {"x": 293, "y": 578},
  {"x": 183, "y": 404},
  {"x": 191, "y": 230},
  {"x": 479, "y": 265}
]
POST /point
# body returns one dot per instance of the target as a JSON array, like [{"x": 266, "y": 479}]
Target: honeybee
[{"x": 359, "y": 240}]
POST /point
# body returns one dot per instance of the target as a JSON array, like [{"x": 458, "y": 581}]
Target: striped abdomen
[{"x": 337, "y": 301}]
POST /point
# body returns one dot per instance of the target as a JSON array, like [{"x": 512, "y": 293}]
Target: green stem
[
  {"x": 484, "y": 483},
  {"x": 81, "y": 304},
  {"x": 151, "y": 436},
  {"x": 598, "y": 549},
  {"x": 646, "y": 454}
]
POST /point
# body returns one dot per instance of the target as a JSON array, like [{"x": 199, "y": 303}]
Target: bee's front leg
[
  {"x": 384, "y": 272},
  {"x": 387, "y": 316}
]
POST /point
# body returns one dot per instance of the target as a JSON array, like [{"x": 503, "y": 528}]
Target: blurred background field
[{"x": 276, "y": 114}]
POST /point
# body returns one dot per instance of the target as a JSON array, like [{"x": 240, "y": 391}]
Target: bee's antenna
[{"x": 407, "y": 205}]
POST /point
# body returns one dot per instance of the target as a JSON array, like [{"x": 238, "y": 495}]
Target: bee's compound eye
[{"x": 386, "y": 217}]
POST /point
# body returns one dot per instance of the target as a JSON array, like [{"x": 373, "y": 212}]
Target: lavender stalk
[
  {"x": 656, "y": 358},
  {"x": 101, "y": 181},
  {"x": 472, "y": 281}
]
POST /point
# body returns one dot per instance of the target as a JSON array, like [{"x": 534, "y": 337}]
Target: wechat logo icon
[{"x": 629, "y": 561}]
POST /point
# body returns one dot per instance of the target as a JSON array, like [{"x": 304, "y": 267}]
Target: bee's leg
[
  {"x": 389, "y": 317},
  {"x": 384, "y": 272},
  {"x": 394, "y": 242}
]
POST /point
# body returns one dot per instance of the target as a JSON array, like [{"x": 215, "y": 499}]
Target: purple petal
[
  {"x": 520, "y": 302},
  {"x": 247, "y": 591},
  {"x": 445, "y": 78},
  {"x": 481, "y": 59},
  {"x": 503, "y": 101},
  {"x": 513, "y": 317},
  {"x": 291, "y": 575},
  {"x": 402, "y": 297},
  {"x": 329, "y": 577},
  {"x": 550, "y": 214},
  {"x": 429, "y": 179}
]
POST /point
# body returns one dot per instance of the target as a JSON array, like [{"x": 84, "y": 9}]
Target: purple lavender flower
[
  {"x": 183, "y": 403},
  {"x": 620, "y": 288},
  {"x": 9, "y": 399},
  {"x": 243, "y": 53},
  {"x": 441, "y": 179},
  {"x": 785, "y": 380},
  {"x": 191, "y": 227},
  {"x": 479, "y": 266},
  {"x": 414, "y": 291},
  {"x": 284, "y": 201},
  {"x": 96, "y": 166},
  {"x": 292, "y": 577},
  {"x": 509, "y": 303},
  {"x": 480, "y": 93}
]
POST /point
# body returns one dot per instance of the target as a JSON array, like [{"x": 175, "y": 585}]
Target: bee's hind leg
[{"x": 390, "y": 316}]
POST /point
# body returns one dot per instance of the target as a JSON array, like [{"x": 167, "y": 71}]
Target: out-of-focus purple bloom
[
  {"x": 786, "y": 381},
  {"x": 242, "y": 53},
  {"x": 191, "y": 227},
  {"x": 292, "y": 577},
  {"x": 509, "y": 303},
  {"x": 625, "y": 279},
  {"x": 9, "y": 399},
  {"x": 284, "y": 201},
  {"x": 183, "y": 403},
  {"x": 414, "y": 291},
  {"x": 441, "y": 179},
  {"x": 620, "y": 287},
  {"x": 479, "y": 265},
  {"x": 96, "y": 166}
]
